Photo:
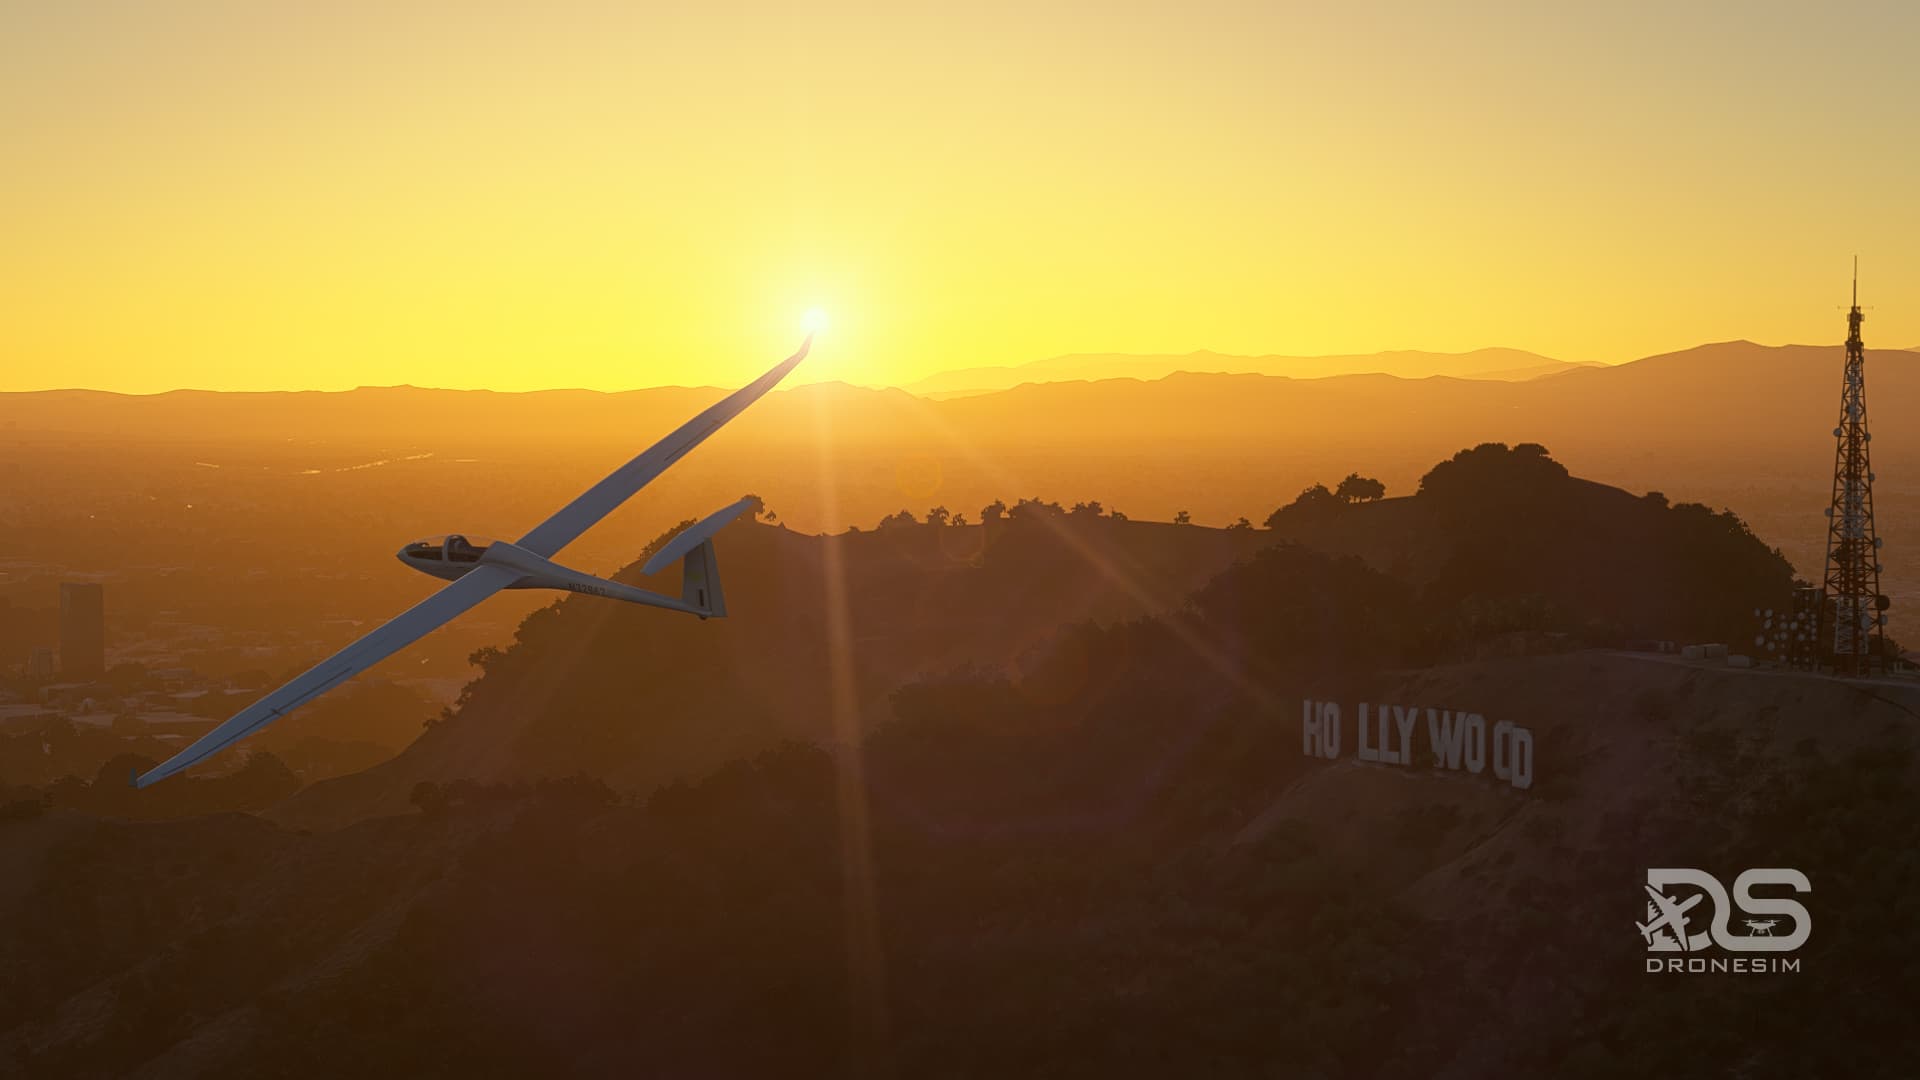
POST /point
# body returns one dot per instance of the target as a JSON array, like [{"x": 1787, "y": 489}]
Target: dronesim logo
[{"x": 1673, "y": 894}]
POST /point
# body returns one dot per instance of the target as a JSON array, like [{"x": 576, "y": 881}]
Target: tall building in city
[
  {"x": 13, "y": 635},
  {"x": 83, "y": 629}
]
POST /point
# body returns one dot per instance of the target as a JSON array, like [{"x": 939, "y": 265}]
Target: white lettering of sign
[{"x": 1455, "y": 739}]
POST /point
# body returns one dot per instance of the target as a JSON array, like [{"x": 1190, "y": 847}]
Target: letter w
[{"x": 1445, "y": 737}]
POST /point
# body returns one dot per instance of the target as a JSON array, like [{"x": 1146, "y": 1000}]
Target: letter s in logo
[{"x": 1760, "y": 905}]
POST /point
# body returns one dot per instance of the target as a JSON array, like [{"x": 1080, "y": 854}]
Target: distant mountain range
[
  {"x": 1486, "y": 394},
  {"x": 1733, "y": 423},
  {"x": 1504, "y": 365}
]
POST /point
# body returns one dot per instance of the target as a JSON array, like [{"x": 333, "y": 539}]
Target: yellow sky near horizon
[{"x": 269, "y": 196}]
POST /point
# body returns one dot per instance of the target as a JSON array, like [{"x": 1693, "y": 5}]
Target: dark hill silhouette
[
  {"x": 1142, "y": 874},
  {"x": 637, "y": 699},
  {"x": 632, "y": 698},
  {"x": 1507, "y": 534},
  {"x": 1116, "y": 861}
]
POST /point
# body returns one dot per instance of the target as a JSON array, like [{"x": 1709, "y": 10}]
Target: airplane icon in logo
[{"x": 1671, "y": 915}]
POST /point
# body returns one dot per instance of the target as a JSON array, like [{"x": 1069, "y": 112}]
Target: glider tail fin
[
  {"x": 700, "y": 581},
  {"x": 699, "y": 568}
]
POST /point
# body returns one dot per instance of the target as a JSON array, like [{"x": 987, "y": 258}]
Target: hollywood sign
[{"x": 1456, "y": 739}]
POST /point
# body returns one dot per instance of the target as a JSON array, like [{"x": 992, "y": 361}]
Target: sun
[{"x": 815, "y": 320}]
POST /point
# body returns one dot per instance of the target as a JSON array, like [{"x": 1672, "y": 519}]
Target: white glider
[{"x": 477, "y": 568}]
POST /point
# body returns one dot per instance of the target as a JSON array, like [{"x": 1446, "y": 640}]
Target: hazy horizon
[{"x": 1238, "y": 364}]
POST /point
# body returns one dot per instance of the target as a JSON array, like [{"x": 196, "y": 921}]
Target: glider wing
[
  {"x": 408, "y": 627},
  {"x": 548, "y": 537}
]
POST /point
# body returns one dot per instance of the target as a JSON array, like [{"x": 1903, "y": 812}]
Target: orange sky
[{"x": 251, "y": 195}]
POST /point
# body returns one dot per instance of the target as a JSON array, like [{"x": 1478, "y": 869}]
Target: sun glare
[{"x": 815, "y": 320}]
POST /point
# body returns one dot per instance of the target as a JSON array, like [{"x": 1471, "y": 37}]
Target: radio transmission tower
[{"x": 1854, "y": 608}]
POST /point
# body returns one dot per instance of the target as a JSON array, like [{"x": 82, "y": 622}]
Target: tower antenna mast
[{"x": 1853, "y": 609}]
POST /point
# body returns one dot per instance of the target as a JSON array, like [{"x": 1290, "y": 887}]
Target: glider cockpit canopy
[{"x": 453, "y": 548}]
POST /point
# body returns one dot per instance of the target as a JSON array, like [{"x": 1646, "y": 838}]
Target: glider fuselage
[{"x": 454, "y": 556}]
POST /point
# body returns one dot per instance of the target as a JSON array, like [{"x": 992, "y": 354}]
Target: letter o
[
  {"x": 1522, "y": 740},
  {"x": 1475, "y": 749}
]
